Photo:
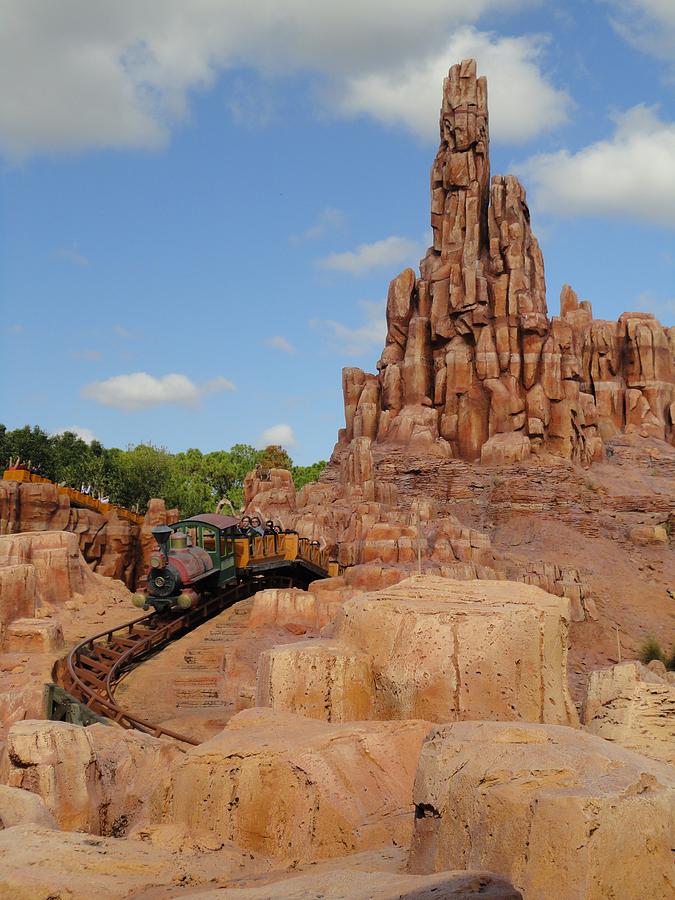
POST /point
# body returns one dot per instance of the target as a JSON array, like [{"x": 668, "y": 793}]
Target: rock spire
[{"x": 472, "y": 366}]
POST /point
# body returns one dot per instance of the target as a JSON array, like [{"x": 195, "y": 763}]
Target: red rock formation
[
  {"x": 112, "y": 545},
  {"x": 471, "y": 353}
]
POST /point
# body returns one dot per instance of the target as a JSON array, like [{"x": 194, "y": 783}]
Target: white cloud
[
  {"x": 281, "y": 435},
  {"x": 140, "y": 390},
  {"x": 86, "y": 434},
  {"x": 78, "y": 75},
  {"x": 71, "y": 255},
  {"x": 15, "y": 328},
  {"x": 522, "y": 101},
  {"x": 390, "y": 251},
  {"x": 361, "y": 339},
  {"x": 280, "y": 343},
  {"x": 122, "y": 332},
  {"x": 647, "y": 24},
  {"x": 328, "y": 220},
  {"x": 631, "y": 174}
]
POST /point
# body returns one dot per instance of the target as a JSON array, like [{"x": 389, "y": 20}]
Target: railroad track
[{"x": 94, "y": 668}]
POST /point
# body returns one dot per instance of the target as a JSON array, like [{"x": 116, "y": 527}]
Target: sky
[{"x": 202, "y": 204}]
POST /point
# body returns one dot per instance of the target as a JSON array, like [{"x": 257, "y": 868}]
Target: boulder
[
  {"x": 319, "y": 679},
  {"x": 18, "y": 807},
  {"x": 94, "y": 779},
  {"x": 443, "y": 650},
  {"x": 292, "y": 787},
  {"x": 558, "y": 812},
  {"x": 635, "y": 706},
  {"x": 34, "y": 636},
  {"x": 505, "y": 449}
]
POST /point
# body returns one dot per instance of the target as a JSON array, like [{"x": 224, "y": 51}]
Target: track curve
[{"x": 94, "y": 667}]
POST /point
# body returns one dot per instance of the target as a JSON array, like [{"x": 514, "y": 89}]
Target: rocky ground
[{"x": 462, "y": 712}]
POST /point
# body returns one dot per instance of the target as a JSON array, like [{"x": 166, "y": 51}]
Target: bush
[{"x": 651, "y": 649}]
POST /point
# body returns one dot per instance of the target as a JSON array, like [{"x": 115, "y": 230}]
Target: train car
[{"x": 193, "y": 557}]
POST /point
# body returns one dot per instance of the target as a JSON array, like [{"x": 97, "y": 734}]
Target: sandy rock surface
[
  {"x": 94, "y": 779},
  {"x": 435, "y": 649},
  {"x": 375, "y": 886},
  {"x": 19, "y": 807},
  {"x": 558, "y": 812},
  {"x": 39, "y": 864},
  {"x": 634, "y": 706},
  {"x": 287, "y": 786}
]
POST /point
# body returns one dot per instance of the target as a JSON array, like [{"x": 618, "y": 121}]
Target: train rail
[{"x": 94, "y": 668}]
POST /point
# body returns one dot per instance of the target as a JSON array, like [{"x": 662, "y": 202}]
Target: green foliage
[
  {"x": 192, "y": 481},
  {"x": 650, "y": 649},
  {"x": 275, "y": 457},
  {"x": 303, "y": 475}
]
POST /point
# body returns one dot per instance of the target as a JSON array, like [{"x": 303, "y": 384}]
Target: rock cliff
[{"x": 471, "y": 354}]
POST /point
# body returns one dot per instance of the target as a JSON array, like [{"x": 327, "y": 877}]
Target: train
[{"x": 201, "y": 555}]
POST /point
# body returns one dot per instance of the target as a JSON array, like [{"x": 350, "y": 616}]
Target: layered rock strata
[{"x": 471, "y": 353}]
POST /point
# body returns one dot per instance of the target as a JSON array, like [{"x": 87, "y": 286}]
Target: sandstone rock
[
  {"x": 19, "y": 807},
  {"x": 634, "y": 706},
  {"x": 503, "y": 449},
  {"x": 339, "y": 884},
  {"x": 558, "y": 812},
  {"x": 470, "y": 340},
  {"x": 643, "y": 535},
  {"x": 37, "y": 864},
  {"x": 319, "y": 679},
  {"x": 298, "y": 788},
  {"x": 17, "y": 593},
  {"x": 59, "y": 568},
  {"x": 33, "y": 635},
  {"x": 444, "y": 650},
  {"x": 108, "y": 543},
  {"x": 313, "y": 609},
  {"x": 94, "y": 779},
  {"x": 45, "y": 570}
]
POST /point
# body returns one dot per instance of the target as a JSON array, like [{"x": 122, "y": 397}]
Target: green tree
[
  {"x": 303, "y": 475},
  {"x": 275, "y": 457}
]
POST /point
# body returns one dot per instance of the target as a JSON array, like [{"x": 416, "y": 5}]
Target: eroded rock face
[
  {"x": 557, "y": 811},
  {"x": 634, "y": 706},
  {"x": 471, "y": 354},
  {"x": 113, "y": 545},
  {"x": 39, "y": 573},
  {"x": 94, "y": 779},
  {"x": 283, "y": 785},
  {"x": 439, "y": 650}
]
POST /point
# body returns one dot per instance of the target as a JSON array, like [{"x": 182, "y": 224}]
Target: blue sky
[{"x": 202, "y": 204}]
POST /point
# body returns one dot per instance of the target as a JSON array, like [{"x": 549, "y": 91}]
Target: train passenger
[
  {"x": 256, "y": 525},
  {"x": 244, "y": 526},
  {"x": 269, "y": 527}
]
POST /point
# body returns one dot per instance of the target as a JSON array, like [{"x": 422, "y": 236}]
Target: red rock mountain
[{"x": 471, "y": 354}]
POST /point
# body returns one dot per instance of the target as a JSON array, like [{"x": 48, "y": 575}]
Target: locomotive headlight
[{"x": 157, "y": 560}]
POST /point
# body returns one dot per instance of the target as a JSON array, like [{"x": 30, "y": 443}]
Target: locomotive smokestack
[{"x": 161, "y": 534}]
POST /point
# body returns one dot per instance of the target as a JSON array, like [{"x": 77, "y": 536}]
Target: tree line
[{"x": 192, "y": 481}]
